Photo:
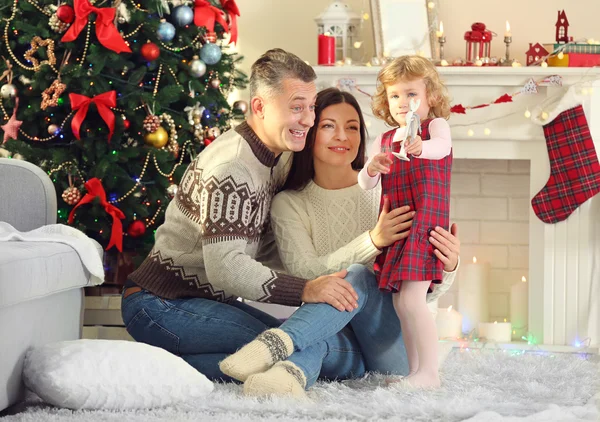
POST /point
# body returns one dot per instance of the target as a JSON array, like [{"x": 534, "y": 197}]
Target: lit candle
[
  {"x": 507, "y": 33},
  {"x": 440, "y": 33},
  {"x": 473, "y": 294},
  {"x": 519, "y": 307},
  {"x": 326, "y": 50},
  {"x": 449, "y": 323},
  {"x": 496, "y": 331}
]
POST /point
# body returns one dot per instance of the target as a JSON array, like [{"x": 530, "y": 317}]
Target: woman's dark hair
[{"x": 302, "y": 170}]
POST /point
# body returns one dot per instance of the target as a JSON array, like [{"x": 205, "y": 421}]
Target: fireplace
[{"x": 561, "y": 261}]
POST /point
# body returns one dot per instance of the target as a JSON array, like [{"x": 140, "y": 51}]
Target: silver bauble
[
  {"x": 211, "y": 53},
  {"x": 182, "y": 15},
  {"x": 241, "y": 106},
  {"x": 215, "y": 83},
  {"x": 8, "y": 91},
  {"x": 197, "y": 67}
]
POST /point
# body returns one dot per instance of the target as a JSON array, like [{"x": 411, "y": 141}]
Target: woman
[{"x": 324, "y": 222}]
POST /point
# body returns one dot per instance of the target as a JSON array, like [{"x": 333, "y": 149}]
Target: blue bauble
[
  {"x": 210, "y": 53},
  {"x": 166, "y": 31},
  {"x": 182, "y": 15}
]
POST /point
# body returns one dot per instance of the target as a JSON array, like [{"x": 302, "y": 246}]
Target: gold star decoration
[
  {"x": 36, "y": 43},
  {"x": 51, "y": 94},
  {"x": 11, "y": 128}
]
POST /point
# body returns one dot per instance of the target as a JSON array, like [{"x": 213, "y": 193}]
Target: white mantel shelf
[{"x": 564, "y": 258}]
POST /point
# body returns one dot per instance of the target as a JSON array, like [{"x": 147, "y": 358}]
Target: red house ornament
[
  {"x": 536, "y": 51},
  {"x": 562, "y": 27},
  {"x": 478, "y": 42}
]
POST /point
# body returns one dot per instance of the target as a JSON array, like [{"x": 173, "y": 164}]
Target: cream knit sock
[
  {"x": 283, "y": 379},
  {"x": 260, "y": 354}
]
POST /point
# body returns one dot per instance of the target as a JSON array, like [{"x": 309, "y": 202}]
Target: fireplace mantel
[{"x": 564, "y": 258}]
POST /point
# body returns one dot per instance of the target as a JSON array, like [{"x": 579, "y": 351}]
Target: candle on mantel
[
  {"x": 507, "y": 33},
  {"x": 449, "y": 323},
  {"x": 519, "y": 308},
  {"x": 473, "y": 294},
  {"x": 440, "y": 33},
  {"x": 499, "y": 332},
  {"x": 326, "y": 50}
]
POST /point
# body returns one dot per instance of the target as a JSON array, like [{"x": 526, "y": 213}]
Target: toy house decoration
[
  {"x": 478, "y": 42},
  {"x": 562, "y": 28},
  {"x": 339, "y": 21},
  {"x": 536, "y": 52}
]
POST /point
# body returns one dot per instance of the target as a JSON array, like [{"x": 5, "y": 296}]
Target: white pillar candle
[
  {"x": 449, "y": 323},
  {"x": 473, "y": 294},
  {"x": 519, "y": 308},
  {"x": 499, "y": 332}
]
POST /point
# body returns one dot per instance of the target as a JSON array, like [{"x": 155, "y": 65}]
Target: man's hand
[
  {"x": 332, "y": 289},
  {"x": 379, "y": 164},
  {"x": 392, "y": 225},
  {"x": 415, "y": 146}
]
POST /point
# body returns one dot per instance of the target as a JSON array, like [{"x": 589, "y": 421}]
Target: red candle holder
[
  {"x": 479, "y": 41},
  {"x": 326, "y": 50}
]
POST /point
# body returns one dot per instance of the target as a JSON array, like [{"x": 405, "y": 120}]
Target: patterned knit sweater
[{"x": 217, "y": 226}]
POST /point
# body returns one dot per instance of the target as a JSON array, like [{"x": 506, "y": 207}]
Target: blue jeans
[{"x": 328, "y": 343}]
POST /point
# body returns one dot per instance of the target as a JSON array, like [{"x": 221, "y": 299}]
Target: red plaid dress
[{"x": 424, "y": 185}]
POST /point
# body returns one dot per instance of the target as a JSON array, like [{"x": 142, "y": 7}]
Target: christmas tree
[{"x": 112, "y": 98}]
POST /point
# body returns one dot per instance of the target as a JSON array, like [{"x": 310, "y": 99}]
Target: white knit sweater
[{"x": 320, "y": 231}]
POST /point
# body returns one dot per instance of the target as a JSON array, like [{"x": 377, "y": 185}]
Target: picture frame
[{"x": 403, "y": 27}]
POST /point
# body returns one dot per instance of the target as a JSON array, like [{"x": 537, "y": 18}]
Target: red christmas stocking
[{"x": 574, "y": 169}]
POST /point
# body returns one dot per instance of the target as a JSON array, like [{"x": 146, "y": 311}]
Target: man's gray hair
[{"x": 270, "y": 70}]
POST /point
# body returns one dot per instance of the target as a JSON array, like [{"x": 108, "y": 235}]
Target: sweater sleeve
[
  {"x": 364, "y": 180},
  {"x": 227, "y": 228},
  {"x": 292, "y": 229},
  {"x": 439, "y": 144}
]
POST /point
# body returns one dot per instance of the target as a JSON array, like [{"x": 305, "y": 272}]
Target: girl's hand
[
  {"x": 392, "y": 225},
  {"x": 379, "y": 164},
  {"x": 415, "y": 146}
]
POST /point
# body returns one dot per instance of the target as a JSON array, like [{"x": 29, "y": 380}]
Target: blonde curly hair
[{"x": 409, "y": 68}]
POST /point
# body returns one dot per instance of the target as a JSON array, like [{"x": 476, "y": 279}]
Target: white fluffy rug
[{"x": 478, "y": 385}]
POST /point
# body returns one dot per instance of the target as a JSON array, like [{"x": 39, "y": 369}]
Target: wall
[
  {"x": 489, "y": 202},
  {"x": 290, "y": 24}
]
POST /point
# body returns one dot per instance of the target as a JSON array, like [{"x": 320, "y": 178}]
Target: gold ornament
[
  {"x": 157, "y": 139},
  {"x": 36, "y": 43},
  {"x": 51, "y": 94}
]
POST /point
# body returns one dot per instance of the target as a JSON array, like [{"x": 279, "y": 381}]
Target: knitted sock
[
  {"x": 283, "y": 379},
  {"x": 260, "y": 354}
]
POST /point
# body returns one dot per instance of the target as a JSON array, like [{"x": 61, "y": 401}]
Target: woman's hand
[
  {"x": 379, "y": 164},
  {"x": 415, "y": 146},
  {"x": 447, "y": 246},
  {"x": 392, "y": 225}
]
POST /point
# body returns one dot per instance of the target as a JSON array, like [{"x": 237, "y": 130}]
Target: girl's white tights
[{"x": 419, "y": 333}]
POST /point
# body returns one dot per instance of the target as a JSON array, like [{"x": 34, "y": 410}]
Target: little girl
[{"x": 408, "y": 267}]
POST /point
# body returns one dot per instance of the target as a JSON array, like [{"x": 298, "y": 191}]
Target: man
[{"x": 183, "y": 296}]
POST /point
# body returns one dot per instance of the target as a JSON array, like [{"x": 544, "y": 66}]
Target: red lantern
[
  {"x": 65, "y": 13},
  {"x": 136, "y": 229},
  {"x": 150, "y": 51},
  {"x": 479, "y": 41}
]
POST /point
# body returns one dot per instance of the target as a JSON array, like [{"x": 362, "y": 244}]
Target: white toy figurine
[{"x": 413, "y": 128}]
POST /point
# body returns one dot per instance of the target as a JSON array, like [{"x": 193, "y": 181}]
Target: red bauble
[
  {"x": 136, "y": 229},
  {"x": 65, "y": 13},
  {"x": 126, "y": 124},
  {"x": 207, "y": 142},
  {"x": 150, "y": 51}
]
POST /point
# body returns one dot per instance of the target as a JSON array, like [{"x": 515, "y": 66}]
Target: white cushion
[{"x": 111, "y": 374}]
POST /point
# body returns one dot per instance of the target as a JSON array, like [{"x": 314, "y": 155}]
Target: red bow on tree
[
  {"x": 233, "y": 12},
  {"x": 206, "y": 14},
  {"x": 106, "y": 32},
  {"x": 94, "y": 189},
  {"x": 81, "y": 103}
]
